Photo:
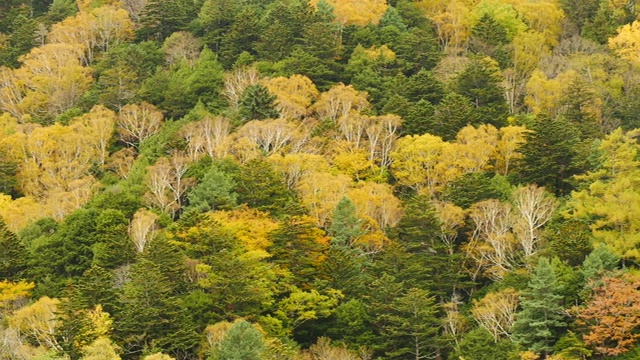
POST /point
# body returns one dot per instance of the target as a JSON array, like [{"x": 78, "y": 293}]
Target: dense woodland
[{"x": 319, "y": 180}]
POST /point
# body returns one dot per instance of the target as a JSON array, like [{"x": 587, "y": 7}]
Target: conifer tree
[{"x": 538, "y": 325}]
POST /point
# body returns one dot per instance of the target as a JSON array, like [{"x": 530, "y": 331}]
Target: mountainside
[{"x": 316, "y": 180}]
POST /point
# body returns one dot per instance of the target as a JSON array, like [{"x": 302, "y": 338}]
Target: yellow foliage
[
  {"x": 357, "y": 12},
  {"x": 11, "y": 292},
  {"x": 340, "y": 101},
  {"x": 294, "y": 95},
  {"x": 294, "y": 166},
  {"x": 20, "y": 212},
  {"x": 626, "y": 43},
  {"x": 320, "y": 193},
  {"x": 250, "y": 226},
  {"x": 38, "y": 322},
  {"x": 544, "y": 94}
]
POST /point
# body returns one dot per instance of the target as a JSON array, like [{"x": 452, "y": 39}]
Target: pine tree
[
  {"x": 241, "y": 342},
  {"x": 257, "y": 103}
]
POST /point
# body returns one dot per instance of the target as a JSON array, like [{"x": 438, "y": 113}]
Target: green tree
[
  {"x": 215, "y": 191},
  {"x": 480, "y": 83},
  {"x": 112, "y": 247},
  {"x": 161, "y": 18},
  {"x": 260, "y": 187},
  {"x": 257, "y": 103},
  {"x": 478, "y": 344},
  {"x": 14, "y": 256},
  {"x": 538, "y": 325},
  {"x": 549, "y": 155},
  {"x": 452, "y": 114},
  {"x": 241, "y": 342},
  {"x": 423, "y": 85},
  {"x": 411, "y": 326}
]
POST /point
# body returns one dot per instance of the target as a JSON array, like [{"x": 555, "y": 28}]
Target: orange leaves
[{"x": 612, "y": 315}]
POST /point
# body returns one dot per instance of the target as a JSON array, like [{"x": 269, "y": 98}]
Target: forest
[{"x": 319, "y": 179}]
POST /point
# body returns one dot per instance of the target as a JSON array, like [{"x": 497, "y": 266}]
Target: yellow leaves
[
  {"x": 20, "y": 212},
  {"x": 543, "y": 16},
  {"x": 611, "y": 202},
  {"x": 294, "y": 95},
  {"x": 340, "y": 101},
  {"x": 452, "y": 20},
  {"x": 626, "y": 43},
  {"x": 418, "y": 163},
  {"x": 357, "y": 12},
  {"x": 99, "y": 28},
  {"x": 511, "y": 138},
  {"x": 544, "y": 94},
  {"x": 143, "y": 228},
  {"x": 137, "y": 123},
  {"x": 38, "y": 322},
  {"x": 496, "y": 312},
  {"x": 11, "y": 292},
  {"x": 250, "y": 226},
  {"x": 321, "y": 192},
  {"x": 51, "y": 81},
  {"x": 475, "y": 147}
]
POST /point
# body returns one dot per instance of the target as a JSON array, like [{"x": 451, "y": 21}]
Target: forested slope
[{"x": 315, "y": 180}]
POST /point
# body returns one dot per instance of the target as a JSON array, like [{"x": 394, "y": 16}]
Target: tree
[
  {"x": 625, "y": 43},
  {"x": 496, "y": 312},
  {"x": 480, "y": 83},
  {"x": 357, "y": 12},
  {"x": 410, "y": 326},
  {"x": 241, "y": 342},
  {"x": 549, "y": 155},
  {"x": 13, "y": 255},
  {"x": 257, "y": 103},
  {"x": 137, "y": 123},
  {"x": 542, "y": 317},
  {"x": 612, "y": 315},
  {"x": 215, "y": 191}
]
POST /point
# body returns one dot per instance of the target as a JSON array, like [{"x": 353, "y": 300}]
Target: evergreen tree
[
  {"x": 257, "y": 103},
  {"x": 452, "y": 114},
  {"x": 260, "y": 187},
  {"x": 480, "y": 83},
  {"x": 241, "y": 342},
  {"x": 161, "y": 18},
  {"x": 539, "y": 323},
  {"x": 425, "y": 86},
  {"x": 14, "y": 256},
  {"x": 215, "y": 191},
  {"x": 549, "y": 155}
]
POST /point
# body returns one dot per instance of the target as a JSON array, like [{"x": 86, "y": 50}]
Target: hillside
[{"x": 316, "y": 180}]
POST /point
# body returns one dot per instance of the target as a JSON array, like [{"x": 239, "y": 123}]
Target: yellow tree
[
  {"x": 19, "y": 213},
  {"x": 475, "y": 147},
  {"x": 534, "y": 208},
  {"x": 274, "y": 136},
  {"x": 236, "y": 81},
  {"x": 496, "y": 312},
  {"x": 626, "y": 43},
  {"x": 166, "y": 182},
  {"x": 143, "y": 228},
  {"x": 511, "y": 138},
  {"x": 340, "y": 101},
  {"x": 294, "y": 95},
  {"x": 544, "y": 94},
  {"x": 418, "y": 163},
  {"x": 99, "y": 125},
  {"x": 320, "y": 193},
  {"x": 452, "y": 219},
  {"x": 492, "y": 246},
  {"x": 53, "y": 78},
  {"x": 377, "y": 202},
  {"x": 295, "y": 166},
  {"x": 610, "y": 200},
  {"x": 452, "y": 20},
  {"x": 251, "y": 227},
  {"x": 12, "y": 91},
  {"x": 357, "y": 12},
  {"x": 209, "y": 136},
  {"x": 137, "y": 123},
  {"x": 38, "y": 322}
]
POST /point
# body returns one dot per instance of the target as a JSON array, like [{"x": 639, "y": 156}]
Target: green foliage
[
  {"x": 241, "y": 342},
  {"x": 257, "y": 103},
  {"x": 475, "y": 187},
  {"x": 480, "y": 83},
  {"x": 478, "y": 344},
  {"x": 549, "y": 155},
  {"x": 260, "y": 187},
  {"x": 215, "y": 191},
  {"x": 539, "y": 323},
  {"x": 14, "y": 256}
]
